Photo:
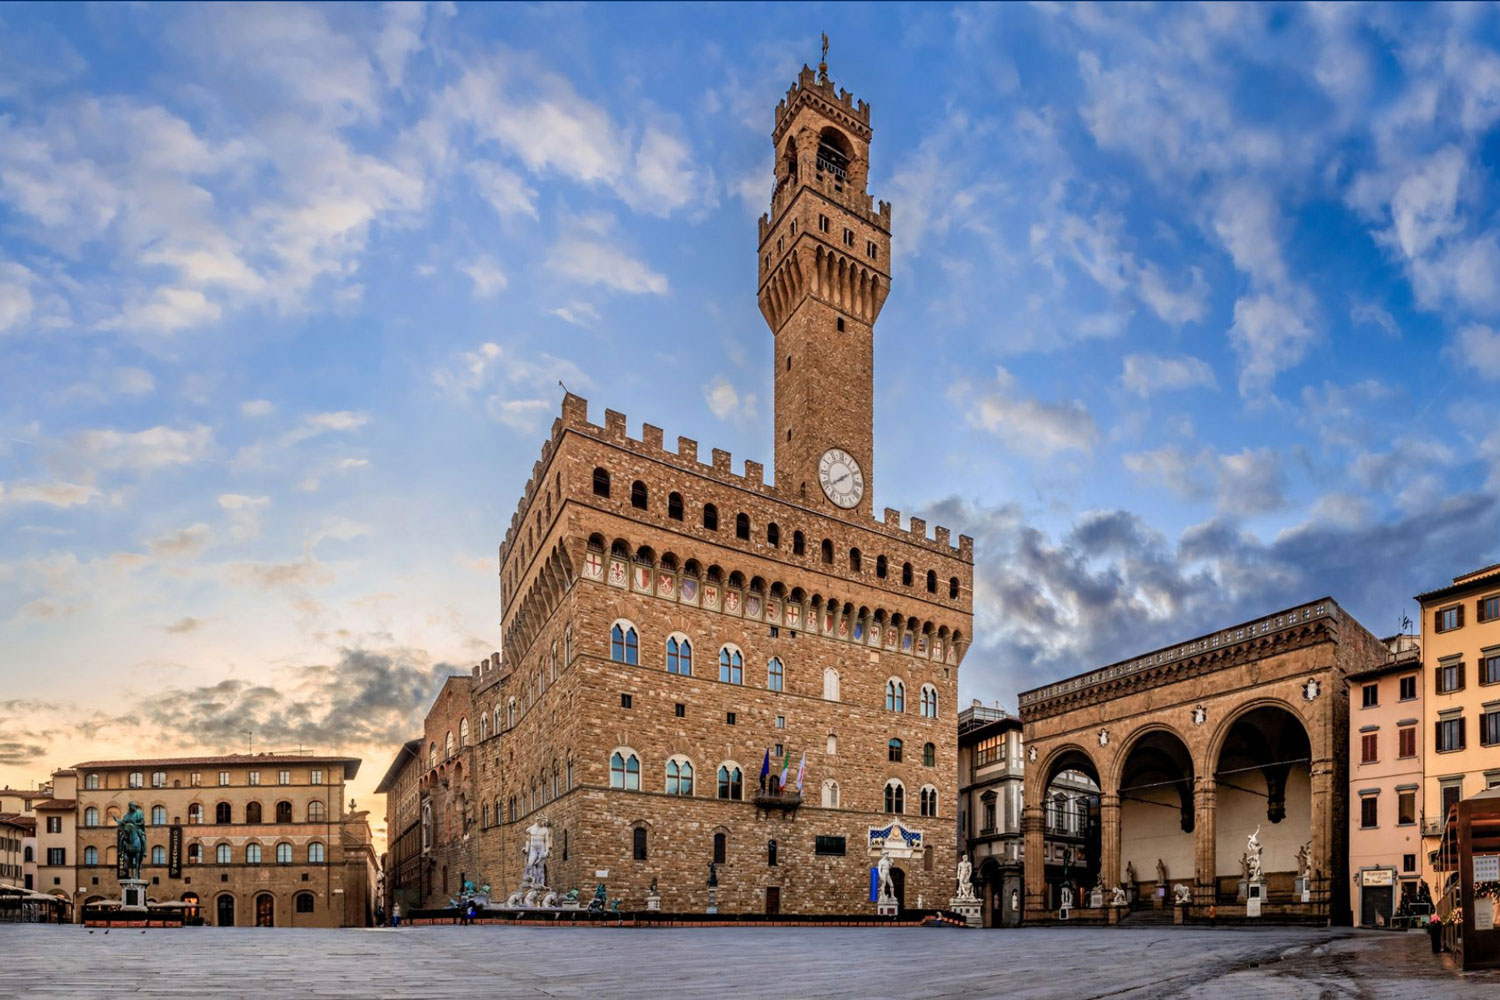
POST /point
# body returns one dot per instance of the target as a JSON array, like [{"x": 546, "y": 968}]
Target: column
[
  {"x": 1109, "y": 841},
  {"x": 1324, "y": 865},
  {"x": 1035, "y": 863},
  {"x": 1205, "y": 847}
]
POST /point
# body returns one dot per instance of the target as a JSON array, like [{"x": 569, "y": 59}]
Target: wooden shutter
[
  {"x": 1462, "y": 742},
  {"x": 1460, "y": 685},
  {"x": 1437, "y": 735},
  {"x": 1460, "y": 616}
]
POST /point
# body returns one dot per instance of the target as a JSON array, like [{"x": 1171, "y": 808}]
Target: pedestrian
[{"x": 395, "y": 914}]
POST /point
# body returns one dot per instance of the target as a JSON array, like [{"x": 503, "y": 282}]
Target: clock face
[{"x": 842, "y": 480}]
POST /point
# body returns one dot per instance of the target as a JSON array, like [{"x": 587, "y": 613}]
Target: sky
[{"x": 1195, "y": 316}]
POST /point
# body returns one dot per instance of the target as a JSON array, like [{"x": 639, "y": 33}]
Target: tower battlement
[{"x": 831, "y": 100}]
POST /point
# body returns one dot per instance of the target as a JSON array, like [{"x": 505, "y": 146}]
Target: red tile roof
[
  {"x": 56, "y": 805},
  {"x": 351, "y": 764}
]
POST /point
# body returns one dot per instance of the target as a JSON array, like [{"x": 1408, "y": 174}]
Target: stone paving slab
[{"x": 751, "y": 963}]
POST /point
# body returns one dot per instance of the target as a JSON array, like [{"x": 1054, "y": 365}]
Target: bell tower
[{"x": 824, "y": 274}]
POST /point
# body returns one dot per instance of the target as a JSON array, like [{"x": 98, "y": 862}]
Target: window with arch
[
  {"x": 137, "y": 779},
  {"x": 833, "y": 744},
  {"x": 953, "y": 588},
  {"x": 775, "y": 674},
  {"x": 91, "y": 816},
  {"x": 895, "y": 696},
  {"x": 929, "y": 754},
  {"x": 710, "y": 517},
  {"x": 731, "y": 782},
  {"x": 731, "y": 665},
  {"x": 931, "y": 582},
  {"x": 223, "y": 854},
  {"x": 158, "y": 815},
  {"x": 91, "y": 855},
  {"x": 283, "y": 812},
  {"x": 91, "y": 781},
  {"x": 906, "y": 574},
  {"x": 830, "y": 794},
  {"x": 484, "y": 726},
  {"x": 194, "y": 853},
  {"x": 895, "y": 797},
  {"x": 601, "y": 483},
  {"x": 674, "y": 506},
  {"x": 252, "y": 812},
  {"x": 638, "y": 843},
  {"x": 195, "y": 813},
  {"x": 893, "y": 751},
  {"x": 497, "y": 720},
  {"x": 742, "y": 527},
  {"x": 880, "y": 567},
  {"x": 679, "y": 655},
  {"x": 799, "y": 543},
  {"x": 463, "y": 732},
  {"x": 158, "y": 855},
  {"x": 679, "y": 776},
  {"x": 316, "y": 811},
  {"x": 624, "y": 646},
  {"x": 432, "y": 754},
  {"x": 448, "y": 746},
  {"x": 305, "y": 902},
  {"x": 827, "y": 551},
  {"x": 283, "y": 853},
  {"x": 315, "y": 853},
  {"x": 221, "y": 813},
  {"x": 252, "y": 854},
  {"x": 721, "y": 847},
  {"x": 830, "y": 684},
  {"x": 625, "y": 771},
  {"x": 929, "y": 801},
  {"x": 929, "y": 702},
  {"x": 638, "y": 495},
  {"x": 773, "y": 535},
  {"x": 510, "y": 713},
  {"x": 854, "y": 560}
]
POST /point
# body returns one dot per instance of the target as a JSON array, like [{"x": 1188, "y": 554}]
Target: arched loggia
[
  {"x": 1070, "y": 826},
  {"x": 1157, "y": 814},
  {"x": 1263, "y": 785}
]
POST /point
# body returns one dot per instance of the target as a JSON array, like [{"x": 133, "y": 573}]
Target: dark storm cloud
[
  {"x": 18, "y": 753},
  {"x": 1112, "y": 587}
]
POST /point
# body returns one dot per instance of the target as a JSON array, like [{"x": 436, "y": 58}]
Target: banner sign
[{"x": 174, "y": 851}]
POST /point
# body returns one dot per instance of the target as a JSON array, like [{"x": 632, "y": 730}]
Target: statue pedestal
[
  {"x": 1096, "y": 899},
  {"x": 969, "y": 909},
  {"x": 887, "y": 908},
  {"x": 1255, "y": 892},
  {"x": 653, "y": 902},
  {"x": 133, "y": 893},
  {"x": 713, "y": 900}
]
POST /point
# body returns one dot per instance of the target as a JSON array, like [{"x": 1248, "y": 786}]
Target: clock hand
[{"x": 840, "y": 479}]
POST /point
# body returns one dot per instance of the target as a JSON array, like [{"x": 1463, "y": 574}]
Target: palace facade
[{"x": 673, "y": 627}]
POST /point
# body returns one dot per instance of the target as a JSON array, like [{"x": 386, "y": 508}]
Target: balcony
[{"x": 785, "y": 801}]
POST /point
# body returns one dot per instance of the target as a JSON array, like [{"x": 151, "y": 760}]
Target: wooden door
[
  {"x": 226, "y": 910},
  {"x": 265, "y": 910},
  {"x": 773, "y": 900}
]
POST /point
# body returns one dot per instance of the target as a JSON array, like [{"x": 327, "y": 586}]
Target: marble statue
[
  {"x": 653, "y": 886},
  {"x": 1181, "y": 893},
  {"x": 1245, "y": 868},
  {"x": 1252, "y": 856},
  {"x": 1161, "y": 872},
  {"x": 1117, "y": 897},
  {"x": 887, "y": 892},
  {"x": 1130, "y": 878},
  {"x": 965, "y": 879},
  {"x": 1304, "y": 861},
  {"x": 537, "y": 844},
  {"x": 1067, "y": 898},
  {"x": 130, "y": 840}
]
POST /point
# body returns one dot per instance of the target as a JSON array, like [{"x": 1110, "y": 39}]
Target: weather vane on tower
[{"x": 823, "y": 63}]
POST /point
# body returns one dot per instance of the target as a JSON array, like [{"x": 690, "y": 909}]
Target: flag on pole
[
  {"x": 802, "y": 767},
  {"x": 786, "y": 766},
  {"x": 765, "y": 769}
]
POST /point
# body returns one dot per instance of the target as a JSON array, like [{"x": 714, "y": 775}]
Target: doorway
[
  {"x": 265, "y": 910},
  {"x": 898, "y": 885},
  {"x": 773, "y": 900},
  {"x": 190, "y": 907},
  {"x": 226, "y": 911},
  {"x": 1375, "y": 905}
]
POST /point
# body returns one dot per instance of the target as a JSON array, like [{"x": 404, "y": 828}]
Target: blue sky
[{"x": 1193, "y": 317}]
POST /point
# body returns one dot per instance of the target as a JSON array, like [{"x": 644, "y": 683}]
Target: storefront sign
[
  {"x": 174, "y": 852},
  {"x": 1377, "y": 876},
  {"x": 1487, "y": 867}
]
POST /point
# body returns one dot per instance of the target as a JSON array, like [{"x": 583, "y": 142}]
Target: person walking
[{"x": 395, "y": 914}]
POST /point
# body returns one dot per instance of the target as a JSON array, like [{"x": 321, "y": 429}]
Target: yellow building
[{"x": 1461, "y": 709}]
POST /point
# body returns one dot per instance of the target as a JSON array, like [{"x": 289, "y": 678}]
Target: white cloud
[
  {"x": 727, "y": 403},
  {"x": 154, "y": 448},
  {"x": 592, "y": 261},
  {"x": 184, "y": 543},
  {"x": 504, "y": 189},
  {"x": 1173, "y": 306},
  {"x": 518, "y": 391},
  {"x": 1478, "y": 347},
  {"x": 1029, "y": 425},
  {"x": 1270, "y": 336},
  {"x": 1145, "y": 374},
  {"x": 400, "y": 37},
  {"x": 244, "y": 513},
  {"x": 1246, "y": 483},
  {"x": 257, "y": 408},
  {"x": 1424, "y": 209},
  {"x": 167, "y": 310},
  {"x": 487, "y": 277},
  {"x": 576, "y": 312},
  {"x": 54, "y": 494},
  {"x": 133, "y": 381},
  {"x": 15, "y": 295}
]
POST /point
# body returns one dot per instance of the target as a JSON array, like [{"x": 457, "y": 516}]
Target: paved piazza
[{"x": 869, "y": 964}]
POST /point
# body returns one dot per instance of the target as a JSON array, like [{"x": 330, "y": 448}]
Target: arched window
[
  {"x": 830, "y": 684},
  {"x": 283, "y": 853},
  {"x": 315, "y": 853},
  {"x": 137, "y": 779},
  {"x": 638, "y": 843},
  {"x": 679, "y": 655},
  {"x": 895, "y": 797},
  {"x": 601, "y": 483},
  {"x": 895, "y": 696},
  {"x": 827, "y": 552},
  {"x": 91, "y": 855},
  {"x": 484, "y": 726},
  {"x": 731, "y": 784},
  {"x": 158, "y": 815},
  {"x": 775, "y": 678},
  {"x": 432, "y": 754},
  {"x": 953, "y": 587},
  {"x": 799, "y": 543},
  {"x": 91, "y": 816},
  {"x": 638, "y": 495},
  {"x": 221, "y": 813},
  {"x": 195, "y": 813},
  {"x": 830, "y": 794},
  {"x": 721, "y": 847},
  {"x": 305, "y": 902},
  {"x": 252, "y": 813},
  {"x": 929, "y": 801},
  {"x": 771, "y": 853},
  {"x": 893, "y": 751},
  {"x": 316, "y": 811},
  {"x": 625, "y": 771},
  {"x": 742, "y": 527},
  {"x": 674, "y": 506},
  {"x": 906, "y": 574},
  {"x": 463, "y": 732},
  {"x": 929, "y": 755},
  {"x": 158, "y": 855},
  {"x": 679, "y": 776},
  {"x": 931, "y": 582},
  {"x": 710, "y": 517},
  {"x": 252, "y": 854},
  {"x": 929, "y": 702},
  {"x": 624, "y": 647},
  {"x": 448, "y": 746},
  {"x": 283, "y": 812},
  {"x": 773, "y": 535},
  {"x": 833, "y": 744},
  {"x": 880, "y": 567},
  {"x": 223, "y": 854},
  {"x": 194, "y": 853},
  {"x": 731, "y": 665},
  {"x": 854, "y": 560}
]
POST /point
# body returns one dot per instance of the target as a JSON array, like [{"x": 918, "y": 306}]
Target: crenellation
[
  {"x": 918, "y": 528},
  {"x": 651, "y": 437},
  {"x": 893, "y": 518},
  {"x": 687, "y": 449},
  {"x": 755, "y": 474},
  {"x": 940, "y": 535},
  {"x": 614, "y": 425},
  {"x": 575, "y": 412},
  {"x": 722, "y": 461}
]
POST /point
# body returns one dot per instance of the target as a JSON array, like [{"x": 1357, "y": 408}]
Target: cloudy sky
[{"x": 1194, "y": 317}]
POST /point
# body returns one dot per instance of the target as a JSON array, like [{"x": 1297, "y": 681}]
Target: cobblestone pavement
[{"x": 869, "y": 964}]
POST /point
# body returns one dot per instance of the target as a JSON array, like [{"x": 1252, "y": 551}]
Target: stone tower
[{"x": 824, "y": 274}]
